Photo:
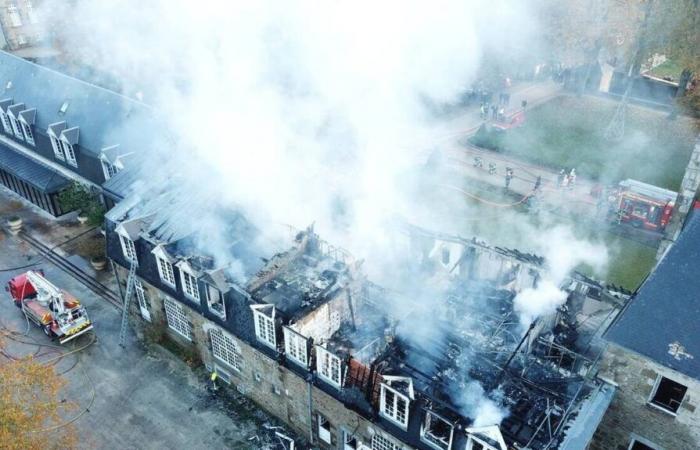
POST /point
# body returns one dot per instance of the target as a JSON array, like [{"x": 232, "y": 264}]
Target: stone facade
[
  {"x": 273, "y": 387},
  {"x": 20, "y": 23},
  {"x": 631, "y": 417}
]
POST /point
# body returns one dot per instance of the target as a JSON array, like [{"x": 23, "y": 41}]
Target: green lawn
[
  {"x": 668, "y": 69},
  {"x": 568, "y": 132}
]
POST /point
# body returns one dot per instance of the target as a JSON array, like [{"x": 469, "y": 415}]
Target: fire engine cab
[
  {"x": 643, "y": 205},
  {"x": 57, "y": 312}
]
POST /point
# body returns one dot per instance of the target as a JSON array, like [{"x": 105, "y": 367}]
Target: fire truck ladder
[{"x": 130, "y": 283}]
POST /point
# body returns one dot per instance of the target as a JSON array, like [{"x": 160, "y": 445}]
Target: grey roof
[
  {"x": 121, "y": 184},
  {"x": 99, "y": 112},
  {"x": 58, "y": 127},
  {"x": 5, "y": 103},
  {"x": 71, "y": 135},
  {"x": 28, "y": 115},
  {"x": 661, "y": 320},
  {"x": 16, "y": 108},
  {"x": 34, "y": 173}
]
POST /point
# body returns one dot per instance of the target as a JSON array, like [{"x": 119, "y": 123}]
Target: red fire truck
[
  {"x": 57, "y": 312},
  {"x": 643, "y": 205}
]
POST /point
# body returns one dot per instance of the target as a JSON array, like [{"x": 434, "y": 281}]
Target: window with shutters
[
  {"x": 328, "y": 366},
  {"x": 165, "y": 269},
  {"x": 225, "y": 349},
  {"x": 177, "y": 319},
  {"x": 295, "y": 345},
  {"x": 16, "y": 127}
]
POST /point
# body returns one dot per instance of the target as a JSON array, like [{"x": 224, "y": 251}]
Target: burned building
[
  {"x": 653, "y": 355},
  {"x": 354, "y": 365}
]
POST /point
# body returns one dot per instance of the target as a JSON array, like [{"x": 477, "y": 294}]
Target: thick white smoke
[
  {"x": 302, "y": 112},
  {"x": 563, "y": 253}
]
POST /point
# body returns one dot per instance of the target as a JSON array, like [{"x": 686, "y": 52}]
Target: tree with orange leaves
[{"x": 32, "y": 415}]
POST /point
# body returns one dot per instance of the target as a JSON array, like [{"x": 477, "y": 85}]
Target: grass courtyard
[{"x": 568, "y": 132}]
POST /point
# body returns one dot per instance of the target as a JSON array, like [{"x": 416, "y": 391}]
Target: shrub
[{"x": 81, "y": 198}]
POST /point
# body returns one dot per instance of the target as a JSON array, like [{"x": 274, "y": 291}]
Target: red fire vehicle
[
  {"x": 57, "y": 312},
  {"x": 643, "y": 205},
  {"x": 513, "y": 120}
]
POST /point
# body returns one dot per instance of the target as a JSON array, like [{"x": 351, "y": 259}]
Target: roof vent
[
  {"x": 64, "y": 107},
  {"x": 8, "y": 86}
]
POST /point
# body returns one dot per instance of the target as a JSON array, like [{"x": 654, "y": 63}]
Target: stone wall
[
  {"x": 630, "y": 416},
  {"x": 273, "y": 387}
]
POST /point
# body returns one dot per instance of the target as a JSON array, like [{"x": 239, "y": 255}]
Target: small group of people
[
  {"x": 497, "y": 112},
  {"x": 566, "y": 179}
]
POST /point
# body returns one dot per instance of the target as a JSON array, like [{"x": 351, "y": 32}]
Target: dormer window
[
  {"x": 215, "y": 300},
  {"x": 54, "y": 131},
  {"x": 13, "y": 114},
  {"x": 189, "y": 284},
  {"x": 436, "y": 431},
  {"x": 29, "y": 8},
  {"x": 165, "y": 269},
  {"x": 13, "y": 15},
  {"x": 69, "y": 152},
  {"x": 26, "y": 121},
  {"x": 7, "y": 126},
  {"x": 295, "y": 346},
  {"x": 328, "y": 367},
  {"x": 264, "y": 318},
  {"x": 128, "y": 249},
  {"x": 109, "y": 169},
  {"x": 396, "y": 396}
]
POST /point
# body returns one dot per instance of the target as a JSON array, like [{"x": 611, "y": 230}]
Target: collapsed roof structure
[{"x": 457, "y": 369}]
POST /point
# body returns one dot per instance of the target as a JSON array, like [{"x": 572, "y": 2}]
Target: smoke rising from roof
[{"x": 305, "y": 112}]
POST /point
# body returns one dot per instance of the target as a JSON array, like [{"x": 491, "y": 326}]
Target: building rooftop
[{"x": 661, "y": 320}]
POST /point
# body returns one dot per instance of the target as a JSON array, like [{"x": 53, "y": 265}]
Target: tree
[
  {"x": 80, "y": 197},
  {"x": 31, "y": 414}
]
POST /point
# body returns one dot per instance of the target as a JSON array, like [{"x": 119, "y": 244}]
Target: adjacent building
[
  {"x": 654, "y": 357},
  {"x": 55, "y": 129},
  {"x": 352, "y": 365},
  {"x": 20, "y": 24}
]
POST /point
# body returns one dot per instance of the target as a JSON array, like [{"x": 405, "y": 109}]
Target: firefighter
[
  {"x": 560, "y": 178},
  {"x": 572, "y": 178},
  {"x": 509, "y": 176},
  {"x": 213, "y": 378},
  {"x": 492, "y": 168},
  {"x": 538, "y": 182}
]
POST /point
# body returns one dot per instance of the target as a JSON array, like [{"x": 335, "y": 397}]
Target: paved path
[{"x": 133, "y": 398}]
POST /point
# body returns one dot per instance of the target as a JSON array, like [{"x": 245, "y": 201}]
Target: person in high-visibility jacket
[{"x": 214, "y": 376}]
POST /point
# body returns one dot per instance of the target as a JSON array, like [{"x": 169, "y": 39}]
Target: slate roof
[
  {"x": 661, "y": 320},
  {"x": 100, "y": 113},
  {"x": 41, "y": 177}
]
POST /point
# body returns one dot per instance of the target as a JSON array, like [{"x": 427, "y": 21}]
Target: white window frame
[
  {"x": 14, "y": 16},
  {"x": 329, "y": 367},
  {"x": 144, "y": 303},
  {"x": 31, "y": 14},
  {"x": 108, "y": 169},
  {"x": 225, "y": 349},
  {"x": 166, "y": 271},
  {"x": 6, "y": 122},
  {"x": 190, "y": 285},
  {"x": 177, "y": 319},
  {"x": 16, "y": 129},
  {"x": 128, "y": 249},
  {"x": 207, "y": 292},
  {"x": 424, "y": 431},
  {"x": 296, "y": 347},
  {"x": 657, "y": 383},
  {"x": 69, "y": 152},
  {"x": 265, "y": 325},
  {"x": 323, "y": 434},
  {"x": 383, "y": 443},
  {"x": 634, "y": 438},
  {"x": 472, "y": 439},
  {"x": 56, "y": 145},
  {"x": 27, "y": 130},
  {"x": 390, "y": 409}
]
